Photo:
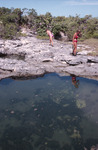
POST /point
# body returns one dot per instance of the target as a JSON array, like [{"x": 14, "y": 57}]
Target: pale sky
[{"x": 56, "y": 7}]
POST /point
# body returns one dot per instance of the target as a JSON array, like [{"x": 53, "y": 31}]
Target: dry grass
[
  {"x": 93, "y": 44},
  {"x": 43, "y": 37},
  {"x": 93, "y": 54}
]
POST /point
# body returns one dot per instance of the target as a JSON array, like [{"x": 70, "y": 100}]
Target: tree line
[{"x": 12, "y": 20}]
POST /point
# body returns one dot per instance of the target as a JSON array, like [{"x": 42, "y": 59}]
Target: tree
[
  {"x": 32, "y": 15},
  {"x": 18, "y": 15}
]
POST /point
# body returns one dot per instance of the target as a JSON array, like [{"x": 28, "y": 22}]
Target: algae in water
[{"x": 80, "y": 104}]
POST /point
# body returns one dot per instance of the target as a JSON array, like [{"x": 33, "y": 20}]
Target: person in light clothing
[{"x": 49, "y": 33}]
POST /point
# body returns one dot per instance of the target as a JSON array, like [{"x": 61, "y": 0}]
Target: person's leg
[
  {"x": 51, "y": 41},
  {"x": 75, "y": 48}
]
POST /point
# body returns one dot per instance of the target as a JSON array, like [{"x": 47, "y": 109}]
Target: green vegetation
[{"x": 12, "y": 20}]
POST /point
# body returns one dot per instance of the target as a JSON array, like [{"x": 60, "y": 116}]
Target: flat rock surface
[{"x": 29, "y": 56}]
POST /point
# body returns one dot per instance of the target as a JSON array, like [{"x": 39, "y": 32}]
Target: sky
[{"x": 56, "y": 7}]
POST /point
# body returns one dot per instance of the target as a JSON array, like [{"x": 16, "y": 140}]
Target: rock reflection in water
[{"x": 48, "y": 114}]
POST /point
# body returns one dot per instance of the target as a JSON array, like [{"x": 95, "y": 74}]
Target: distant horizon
[{"x": 57, "y": 8}]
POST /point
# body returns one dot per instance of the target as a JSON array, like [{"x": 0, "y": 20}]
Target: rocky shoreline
[{"x": 32, "y": 57}]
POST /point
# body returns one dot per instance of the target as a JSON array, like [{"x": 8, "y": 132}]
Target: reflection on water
[
  {"x": 49, "y": 113},
  {"x": 75, "y": 82}
]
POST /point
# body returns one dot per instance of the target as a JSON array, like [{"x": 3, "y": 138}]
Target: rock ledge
[{"x": 29, "y": 56}]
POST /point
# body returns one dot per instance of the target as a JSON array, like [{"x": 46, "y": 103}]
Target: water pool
[{"x": 49, "y": 113}]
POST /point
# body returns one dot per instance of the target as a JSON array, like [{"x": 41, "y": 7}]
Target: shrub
[
  {"x": 95, "y": 35},
  {"x": 10, "y": 31},
  {"x": 12, "y": 19}
]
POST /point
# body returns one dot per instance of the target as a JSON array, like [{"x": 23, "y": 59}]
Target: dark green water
[{"x": 48, "y": 113}]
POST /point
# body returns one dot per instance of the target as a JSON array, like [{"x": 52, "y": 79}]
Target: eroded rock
[{"x": 29, "y": 56}]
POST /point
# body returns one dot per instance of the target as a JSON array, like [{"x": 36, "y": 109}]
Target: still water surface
[{"x": 48, "y": 113}]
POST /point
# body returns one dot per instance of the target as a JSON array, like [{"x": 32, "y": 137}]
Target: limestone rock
[{"x": 29, "y": 56}]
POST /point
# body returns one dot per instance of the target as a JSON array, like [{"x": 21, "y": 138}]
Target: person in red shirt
[
  {"x": 50, "y": 36},
  {"x": 74, "y": 40}
]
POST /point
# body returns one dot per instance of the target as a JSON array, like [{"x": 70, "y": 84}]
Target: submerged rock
[{"x": 80, "y": 104}]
